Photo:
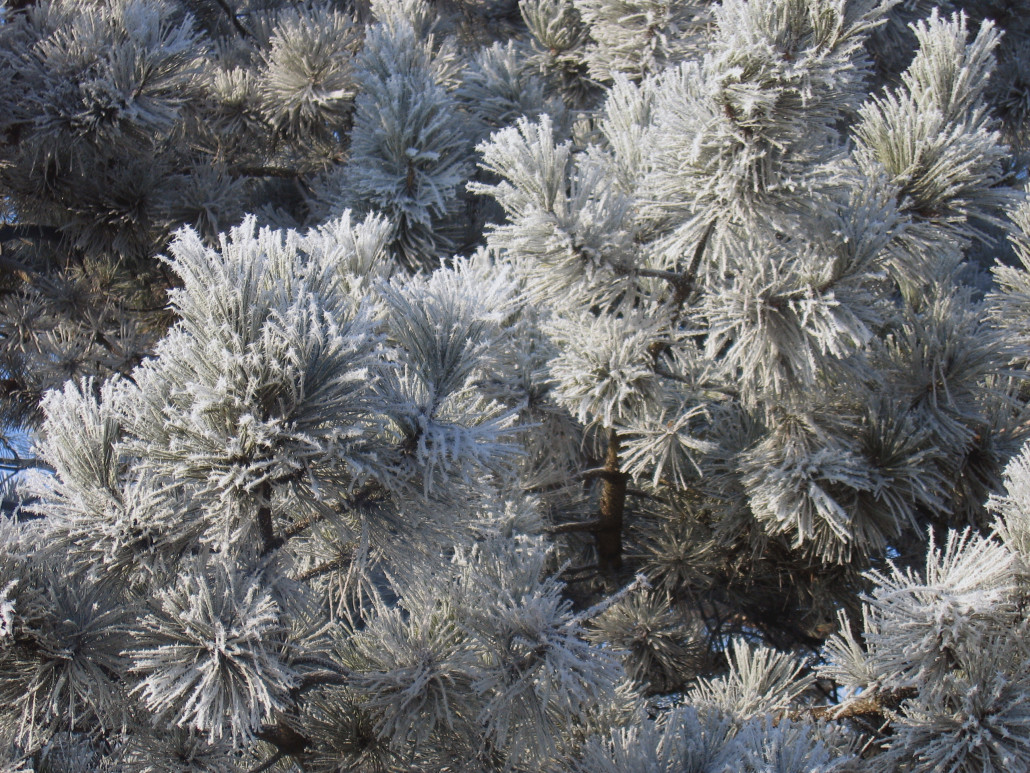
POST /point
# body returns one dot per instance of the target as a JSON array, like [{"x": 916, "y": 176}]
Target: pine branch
[
  {"x": 672, "y": 277},
  {"x": 686, "y": 288},
  {"x": 607, "y": 527},
  {"x": 301, "y": 526},
  {"x": 879, "y": 704},
  {"x": 18, "y": 465},
  {"x": 28, "y": 232},
  {"x": 608, "y": 535},
  {"x": 665, "y": 372},
  {"x": 580, "y": 574},
  {"x": 20, "y": 5},
  {"x": 235, "y": 20},
  {"x": 323, "y": 663},
  {"x": 683, "y": 283},
  {"x": 323, "y": 568},
  {"x": 267, "y": 764},
  {"x": 359, "y": 498},
  {"x": 574, "y": 526},
  {"x": 284, "y": 738},
  {"x": 12, "y": 266},
  {"x": 269, "y": 541},
  {"x": 641, "y": 494},
  {"x": 320, "y": 679},
  {"x": 267, "y": 171}
]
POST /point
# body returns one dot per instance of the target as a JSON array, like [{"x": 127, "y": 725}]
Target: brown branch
[
  {"x": 17, "y": 464},
  {"x": 28, "y": 232},
  {"x": 360, "y": 497},
  {"x": 328, "y": 566},
  {"x": 665, "y": 372},
  {"x": 12, "y": 266},
  {"x": 17, "y": 232},
  {"x": 641, "y": 494},
  {"x": 144, "y": 309},
  {"x": 266, "y": 529},
  {"x": 267, "y": 764},
  {"x": 685, "y": 283},
  {"x": 574, "y": 526},
  {"x": 683, "y": 288},
  {"x": 608, "y": 535},
  {"x": 266, "y": 171},
  {"x": 686, "y": 287},
  {"x": 20, "y": 5},
  {"x": 301, "y": 526},
  {"x": 287, "y": 741},
  {"x": 672, "y": 277},
  {"x": 235, "y": 19},
  {"x": 879, "y": 704},
  {"x": 284, "y": 738},
  {"x": 324, "y": 663},
  {"x": 579, "y": 574},
  {"x": 320, "y": 679}
]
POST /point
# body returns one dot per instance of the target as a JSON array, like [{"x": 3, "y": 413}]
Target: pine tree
[{"x": 593, "y": 386}]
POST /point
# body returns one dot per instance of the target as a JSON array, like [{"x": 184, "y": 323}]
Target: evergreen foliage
[{"x": 568, "y": 385}]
